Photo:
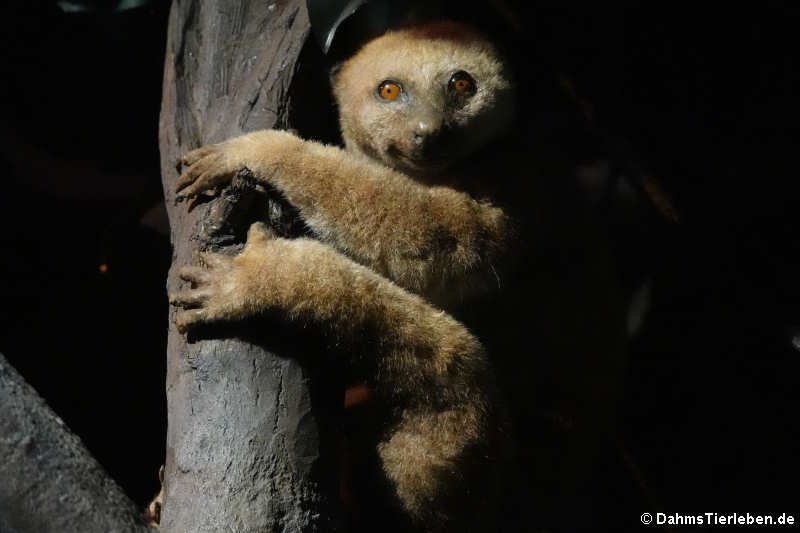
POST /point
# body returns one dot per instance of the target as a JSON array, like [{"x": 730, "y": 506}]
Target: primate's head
[{"x": 420, "y": 99}]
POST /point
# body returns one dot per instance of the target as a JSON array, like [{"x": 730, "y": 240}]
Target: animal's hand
[
  {"x": 229, "y": 288},
  {"x": 215, "y": 165}
]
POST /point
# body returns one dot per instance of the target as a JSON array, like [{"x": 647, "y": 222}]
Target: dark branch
[{"x": 48, "y": 480}]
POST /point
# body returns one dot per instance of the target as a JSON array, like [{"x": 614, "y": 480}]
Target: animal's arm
[
  {"x": 421, "y": 237},
  {"x": 424, "y": 360},
  {"x": 420, "y": 346}
]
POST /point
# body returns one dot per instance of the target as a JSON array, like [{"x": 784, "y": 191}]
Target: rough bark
[
  {"x": 243, "y": 441},
  {"x": 48, "y": 480}
]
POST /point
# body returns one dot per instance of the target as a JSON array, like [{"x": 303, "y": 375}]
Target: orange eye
[
  {"x": 461, "y": 84},
  {"x": 389, "y": 90}
]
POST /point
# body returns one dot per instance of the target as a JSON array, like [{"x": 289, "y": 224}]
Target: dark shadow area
[{"x": 83, "y": 267}]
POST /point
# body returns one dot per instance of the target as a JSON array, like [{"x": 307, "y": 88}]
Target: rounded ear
[{"x": 334, "y": 73}]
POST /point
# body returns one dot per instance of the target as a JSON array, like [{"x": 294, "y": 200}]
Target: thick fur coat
[{"x": 428, "y": 209}]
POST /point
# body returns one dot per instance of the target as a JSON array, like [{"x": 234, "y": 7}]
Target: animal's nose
[
  {"x": 421, "y": 131},
  {"x": 426, "y": 131}
]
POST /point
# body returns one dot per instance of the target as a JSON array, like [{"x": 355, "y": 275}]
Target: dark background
[{"x": 703, "y": 100}]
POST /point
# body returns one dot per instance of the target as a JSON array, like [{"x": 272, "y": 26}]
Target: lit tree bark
[{"x": 243, "y": 440}]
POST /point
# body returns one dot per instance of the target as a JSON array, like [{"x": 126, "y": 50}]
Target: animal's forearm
[
  {"x": 420, "y": 237},
  {"x": 420, "y": 348}
]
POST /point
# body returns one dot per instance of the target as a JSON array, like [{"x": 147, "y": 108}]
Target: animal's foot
[
  {"x": 153, "y": 511},
  {"x": 212, "y": 291},
  {"x": 225, "y": 287}
]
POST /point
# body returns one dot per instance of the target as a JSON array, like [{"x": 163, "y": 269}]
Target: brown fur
[
  {"x": 153, "y": 511},
  {"x": 379, "y": 217},
  {"x": 427, "y": 361},
  {"x": 388, "y": 226}
]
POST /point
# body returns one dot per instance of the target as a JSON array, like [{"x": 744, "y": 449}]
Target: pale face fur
[{"x": 427, "y": 127}]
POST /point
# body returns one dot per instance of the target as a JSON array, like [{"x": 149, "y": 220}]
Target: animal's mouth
[{"x": 419, "y": 160}]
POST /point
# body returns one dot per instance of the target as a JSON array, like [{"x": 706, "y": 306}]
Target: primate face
[{"x": 420, "y": 100}]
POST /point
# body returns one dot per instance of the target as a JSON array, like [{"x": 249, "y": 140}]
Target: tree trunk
[
  {"x": 48, "y": 480},
  {"x": 243, "y": 440}
]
